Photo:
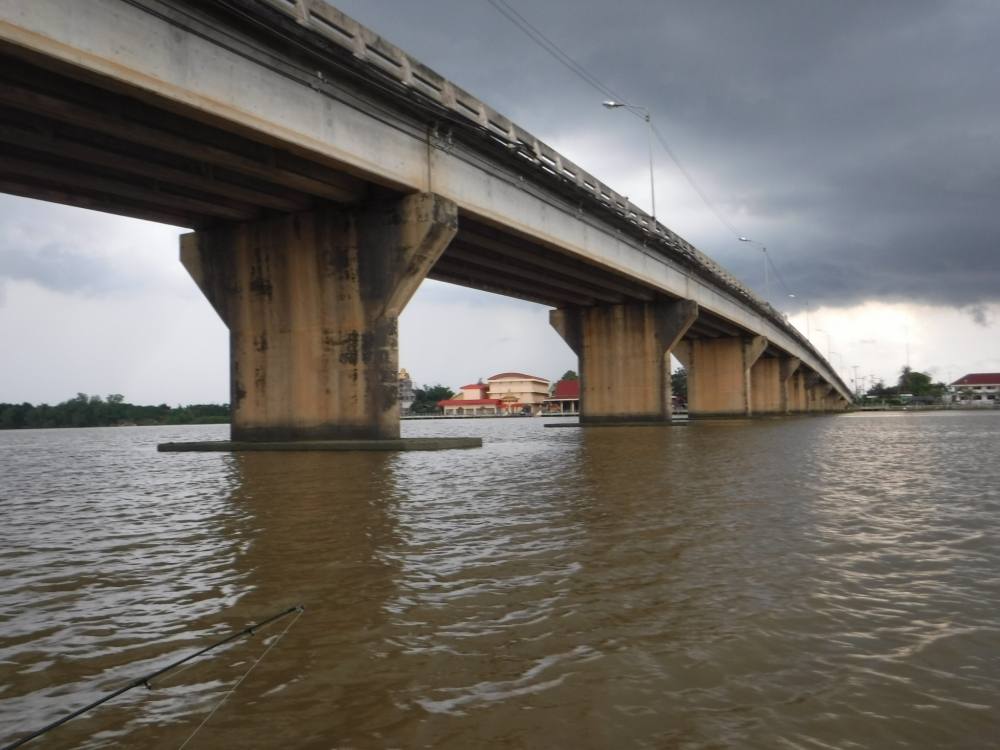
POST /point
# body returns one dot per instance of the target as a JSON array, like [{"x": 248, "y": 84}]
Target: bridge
[{"x": 326, "y": 173}]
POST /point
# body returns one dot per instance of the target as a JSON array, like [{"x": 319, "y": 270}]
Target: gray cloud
[
  {"x": 59, "y": 268},
  {"x": 980, "y": 315},
  {"x": 74, "y": 251},
  {"x": 857, "y": 140}
]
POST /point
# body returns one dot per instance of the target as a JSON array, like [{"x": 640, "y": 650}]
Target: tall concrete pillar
[
  {"x": 817, "y": 391},
  {"x": 719, "y": 375},
  {"x": 624, "y": 353},
  {"x": 312, "y": 301},
  {"x": 797, "y": 398},
  {"x": 769, "y": 384}
]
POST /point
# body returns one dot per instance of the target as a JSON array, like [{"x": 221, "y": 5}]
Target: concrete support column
[
  {"x": 789, "y": 366},
  {"x": 719, "y": 375},
  {"x": 817, "y": 391},
  {"x": 797, "y": 398},
  {"x": 769, "y": 384},
  {"x": 624, "y": 353},
  {"x": 312, "y": 301}
]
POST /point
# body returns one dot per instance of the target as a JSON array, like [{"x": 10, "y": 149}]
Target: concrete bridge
[{"x": 326, "y": 173}]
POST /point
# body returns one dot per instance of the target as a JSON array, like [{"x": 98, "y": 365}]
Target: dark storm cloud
[{"x": 858, "y": 140}]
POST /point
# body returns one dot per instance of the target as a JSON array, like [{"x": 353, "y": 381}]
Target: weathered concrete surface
[
  {"x": 797, "y": 399},
  {"x": 624, "y": 353},
  {"x": 312, "y": 302},
  {"x": 719, "y": 375},
  {"x": 817, "y": 391},
  {"x": 645, "y": 423},
  {"x": 766, "y": 387},
  {"x": 770, "y": 384},
  {"x": 398, "y": 444},
  {"x": 789, "y": 367}
]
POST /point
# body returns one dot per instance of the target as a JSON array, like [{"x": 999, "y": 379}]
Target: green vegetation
[
  {"x": 93, "y": 411},
  {"x": 911, "y": 386},
  {"x": 425, "y": 400},
  {"x": 679, "y": 384},
  {"x": 569, "y": 375}
]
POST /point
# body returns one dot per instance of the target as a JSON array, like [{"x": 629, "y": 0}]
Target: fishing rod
[{"x": 146, "y": 679}]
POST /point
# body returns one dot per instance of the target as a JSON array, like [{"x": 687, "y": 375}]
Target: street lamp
[
  {"x": 828, "y": 353},
  {"x": 792, "y": 296},
  {"x": 644, "y": 114},
  {"x": 767, "y": 291}
]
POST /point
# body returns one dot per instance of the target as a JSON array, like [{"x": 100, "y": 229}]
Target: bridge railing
[{"x": 389, "y": 60}]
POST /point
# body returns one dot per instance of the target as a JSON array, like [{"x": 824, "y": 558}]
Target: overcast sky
[{"x": 858, "y": 141}]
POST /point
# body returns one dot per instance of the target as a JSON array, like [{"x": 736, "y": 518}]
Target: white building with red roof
[
  {"x": 565, "y": 398},
  {"x": 471, "y": 401},
  {"x": 506, "y": 393},
  {"x": 519, "y": 393},
  {"x": 977, "y": 389}
]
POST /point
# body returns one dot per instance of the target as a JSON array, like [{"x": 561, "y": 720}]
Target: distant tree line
[
  {"x": 425, "y": 400},
  {"x": 93, "y": 411},
  {"x": 919, "y": 385}
]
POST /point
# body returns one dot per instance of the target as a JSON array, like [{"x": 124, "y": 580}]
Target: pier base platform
[
  {"x": 668, "y": 423},
  {"x": 396, "y": 444}
]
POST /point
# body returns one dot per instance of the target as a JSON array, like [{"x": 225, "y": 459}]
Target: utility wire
[
  {"x": 778, "y": 274},
  {"x": 701, "y": 193},
  {"x": 537, "y": 36},
  {"x": 540, "y": 38}
]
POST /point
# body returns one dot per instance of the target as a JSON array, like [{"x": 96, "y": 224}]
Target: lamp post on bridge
[
  {"x": 828, "y": 352},
  {"x": 792, "y": 296},
  {"x": 767, "y": 283},
  {"x": 644, "y": 114}
]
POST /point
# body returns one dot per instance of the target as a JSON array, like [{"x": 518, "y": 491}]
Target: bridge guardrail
[{"x": 388, "y": 59}]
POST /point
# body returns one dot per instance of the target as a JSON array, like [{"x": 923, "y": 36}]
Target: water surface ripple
[{"x": 827, "y": 582}]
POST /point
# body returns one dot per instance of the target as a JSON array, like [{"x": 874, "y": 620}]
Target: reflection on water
[{"x": 815, "y": 582}]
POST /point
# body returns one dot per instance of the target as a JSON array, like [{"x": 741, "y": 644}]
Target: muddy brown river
[{"x": 818, "y": 582}]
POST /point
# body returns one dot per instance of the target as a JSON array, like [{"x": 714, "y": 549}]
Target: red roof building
[
  {"x": 521, "y": 393},
  {"x": 978, "y": 378},
  {"x": 515, "y": 376},
  {"x": 977, "y": 389},
  {"x": 565, "y": 398},
  {"x": 472, "y": 401},
  {"x": 506, "y": 393}
]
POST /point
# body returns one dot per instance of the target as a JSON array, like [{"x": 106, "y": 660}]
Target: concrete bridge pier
[
  {"x": 720, "y": 375},
  {"x": 312, "y": 301},
  {"x": 797, "y": 397},
  {"x": 624, "y": 353},
  {"x": 817, "y": 394},
  {"x": 770, "y": 379}
]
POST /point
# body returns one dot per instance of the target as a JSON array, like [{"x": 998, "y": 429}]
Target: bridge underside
[{"x": 309, "y": 262}]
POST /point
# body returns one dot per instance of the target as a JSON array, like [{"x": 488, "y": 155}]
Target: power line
[
  {"x": 701, "y": 193},
  {"x": 542, "y": 40},
  {"x": 539, "y": 37},
  {"x": 778, "y": 274},
  {"x": 536, "y": 35}
]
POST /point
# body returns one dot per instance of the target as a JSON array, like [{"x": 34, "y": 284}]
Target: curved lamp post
[
  {"x": 644, "y": 114},
  {"x": 792, "y": 296},
  {"x": 767, "y": 283}
]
